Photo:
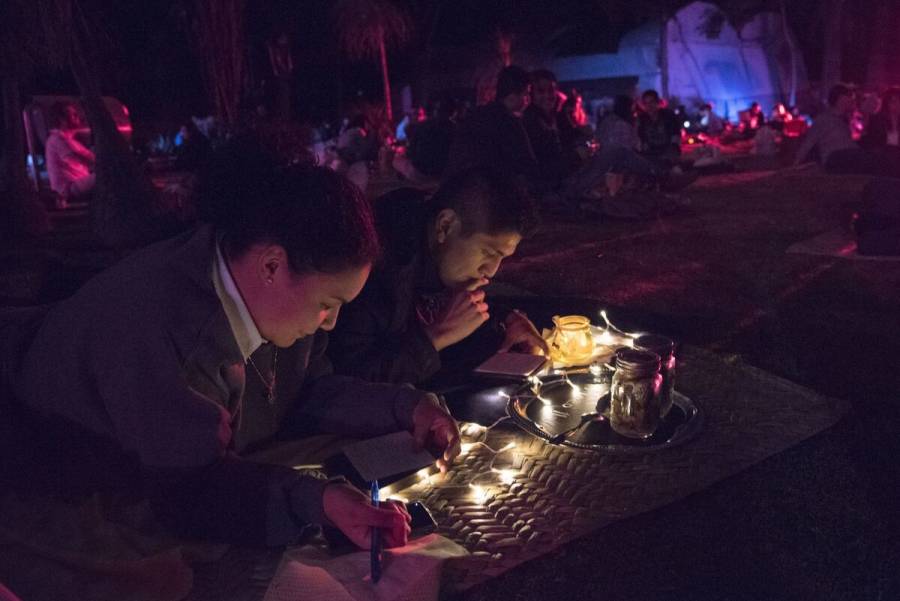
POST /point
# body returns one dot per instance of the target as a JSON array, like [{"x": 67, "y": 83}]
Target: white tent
[{"x": 679, "y": 59}]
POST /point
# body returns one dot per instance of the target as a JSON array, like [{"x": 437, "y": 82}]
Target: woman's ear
[
  {"x": 271, "y": 261},
  {"x": 445, "y": 224}
]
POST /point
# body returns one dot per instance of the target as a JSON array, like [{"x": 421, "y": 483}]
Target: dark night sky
[{"x": 151, "y": 67}]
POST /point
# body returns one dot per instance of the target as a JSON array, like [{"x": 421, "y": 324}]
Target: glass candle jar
[
  {"x": 635, "y": 395},
  {"x": 665, "y": 348},
  {"x": 572, "y": 342}
]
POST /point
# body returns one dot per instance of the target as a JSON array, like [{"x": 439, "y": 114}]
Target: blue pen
[{"x": 375, "y": 550}]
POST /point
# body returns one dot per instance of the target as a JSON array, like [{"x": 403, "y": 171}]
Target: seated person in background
[
  {"x": 883, "y": 129},
  {"x": 575, "y": 134},
  {"x": 429, "y": 144},
  {"x": 69, "y": 162},
  {"x": 192, "y": 148},
  {"x": 185, "y": 359},
  {"x": 425, "y": 295},
  {"x": 619, "y": 144},
  {"x": 710, "y": 123},
  {"x": 752, "y": 119},
  {"x": 617, "y": 129},
  {"x": 830, "y": 135},
  {"x": 493, "y": 135},
  {"x": 658, "y": 130},
  {"x": 540, "y": 120},
  {"x": 578, "y": 176}
]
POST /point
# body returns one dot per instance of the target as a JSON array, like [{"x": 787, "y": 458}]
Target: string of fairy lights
[{"x": 481, "y": 492}]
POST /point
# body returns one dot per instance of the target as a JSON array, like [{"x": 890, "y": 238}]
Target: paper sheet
[
  {"x": 511, "y": 364},
  {"x": 411, "y": 573},
  {"x": 389, "y": 455}
]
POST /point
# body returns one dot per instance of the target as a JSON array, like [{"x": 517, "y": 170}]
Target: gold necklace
[{"x": 269, "y": 385}]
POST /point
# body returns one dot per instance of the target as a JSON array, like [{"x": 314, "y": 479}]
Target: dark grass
[
  {"x": 818, "y": 521},
  {"x": 815, "y": 522}
]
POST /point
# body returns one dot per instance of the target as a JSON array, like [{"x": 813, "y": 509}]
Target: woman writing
[{"x": 192, "y": 354}]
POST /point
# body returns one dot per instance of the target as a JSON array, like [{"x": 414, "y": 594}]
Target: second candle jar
[
  {"x": 665, "y": 348},
  {"x": 636, "y": 394}
]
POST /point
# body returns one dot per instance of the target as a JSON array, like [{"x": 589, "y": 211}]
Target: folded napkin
[{"x": 410, "y": 573}]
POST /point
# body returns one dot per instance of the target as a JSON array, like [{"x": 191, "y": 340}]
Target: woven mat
[
  {"x": 555, "y": 494},
  {"x": 836, "y": 243},
  {"x": 535, "y": 497}
]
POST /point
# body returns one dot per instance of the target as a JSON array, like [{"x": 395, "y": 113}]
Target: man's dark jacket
[
  {"x": 492, "y": 137},
  {"x": 379, "y": 336},
  {"x": 143, "y": 360}
]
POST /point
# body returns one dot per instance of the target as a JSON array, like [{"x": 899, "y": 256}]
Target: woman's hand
[{"x": 352, "y": 512}]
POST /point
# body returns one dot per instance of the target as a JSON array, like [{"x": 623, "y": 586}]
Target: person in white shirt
[
  {"x": 69, "y": 162},
  {"x": 830, "y": 134}
]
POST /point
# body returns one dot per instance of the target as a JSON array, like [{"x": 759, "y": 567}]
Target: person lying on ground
[
  {"x": 427, "y": 293},
  {"x": 192, "y": 355}
]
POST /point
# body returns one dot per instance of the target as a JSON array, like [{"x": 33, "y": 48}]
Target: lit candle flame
[
  {"x": 479, "y": 494},
  {"x": 424, "y": 475},
  {"x": 506, "y": 476}
]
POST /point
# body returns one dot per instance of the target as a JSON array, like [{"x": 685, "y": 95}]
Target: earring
[{"x": 269, "y": 281}]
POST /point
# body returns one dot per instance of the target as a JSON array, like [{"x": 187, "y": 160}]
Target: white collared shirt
[
  {"x": 242, "y": 325},
  {"x": 67, "y": 160}
]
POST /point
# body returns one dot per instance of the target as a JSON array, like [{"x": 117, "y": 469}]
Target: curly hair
[{"x": 323, "y": 221}]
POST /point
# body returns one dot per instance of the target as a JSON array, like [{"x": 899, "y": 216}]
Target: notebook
[
  {"x": 385, "y": 456},
  {"x": 517, "y": 365}
]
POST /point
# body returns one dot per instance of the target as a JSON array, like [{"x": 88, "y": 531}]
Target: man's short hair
[
  {"x": 650, "y": 93},
  {"x": 543, "y": 75},
  {"x": 487, "y": 201},
  {"x": 838, "y": 91},
  {"x": 512, "y": 80},
  {"x": 323, "y": 221}
]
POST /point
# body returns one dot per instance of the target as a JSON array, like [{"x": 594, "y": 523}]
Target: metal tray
[{"x": 564, "y": 398}]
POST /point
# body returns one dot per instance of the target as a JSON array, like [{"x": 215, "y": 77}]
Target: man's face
[
  {"x": 518, "y": 101},
  {"x": 469, "y": 262},
  {"x": 72, "y": 117},
  {"x": 846, "y": 104},
  {"x": 294, "y": 306},
  {"x": 544, "y": 95},
  {"x": 651, "y": 105}
]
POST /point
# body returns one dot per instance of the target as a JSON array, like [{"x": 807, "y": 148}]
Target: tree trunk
[
  {"x": 23, "y": 212},
  {"x": 884, "y": 26},
  {"x": 123, "y": 203},
  {"x": 388, "y": 105},
  {"x": 429, "y": 48},
  {"x": 218, "y": 30},
  {"x": 831, "y": 59},
  {"x": 792, "y": 48},
  {"x": 664, "y": 58}
]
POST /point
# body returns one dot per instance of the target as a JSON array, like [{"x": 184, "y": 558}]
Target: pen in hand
[{"x": 375, "y": 549}]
